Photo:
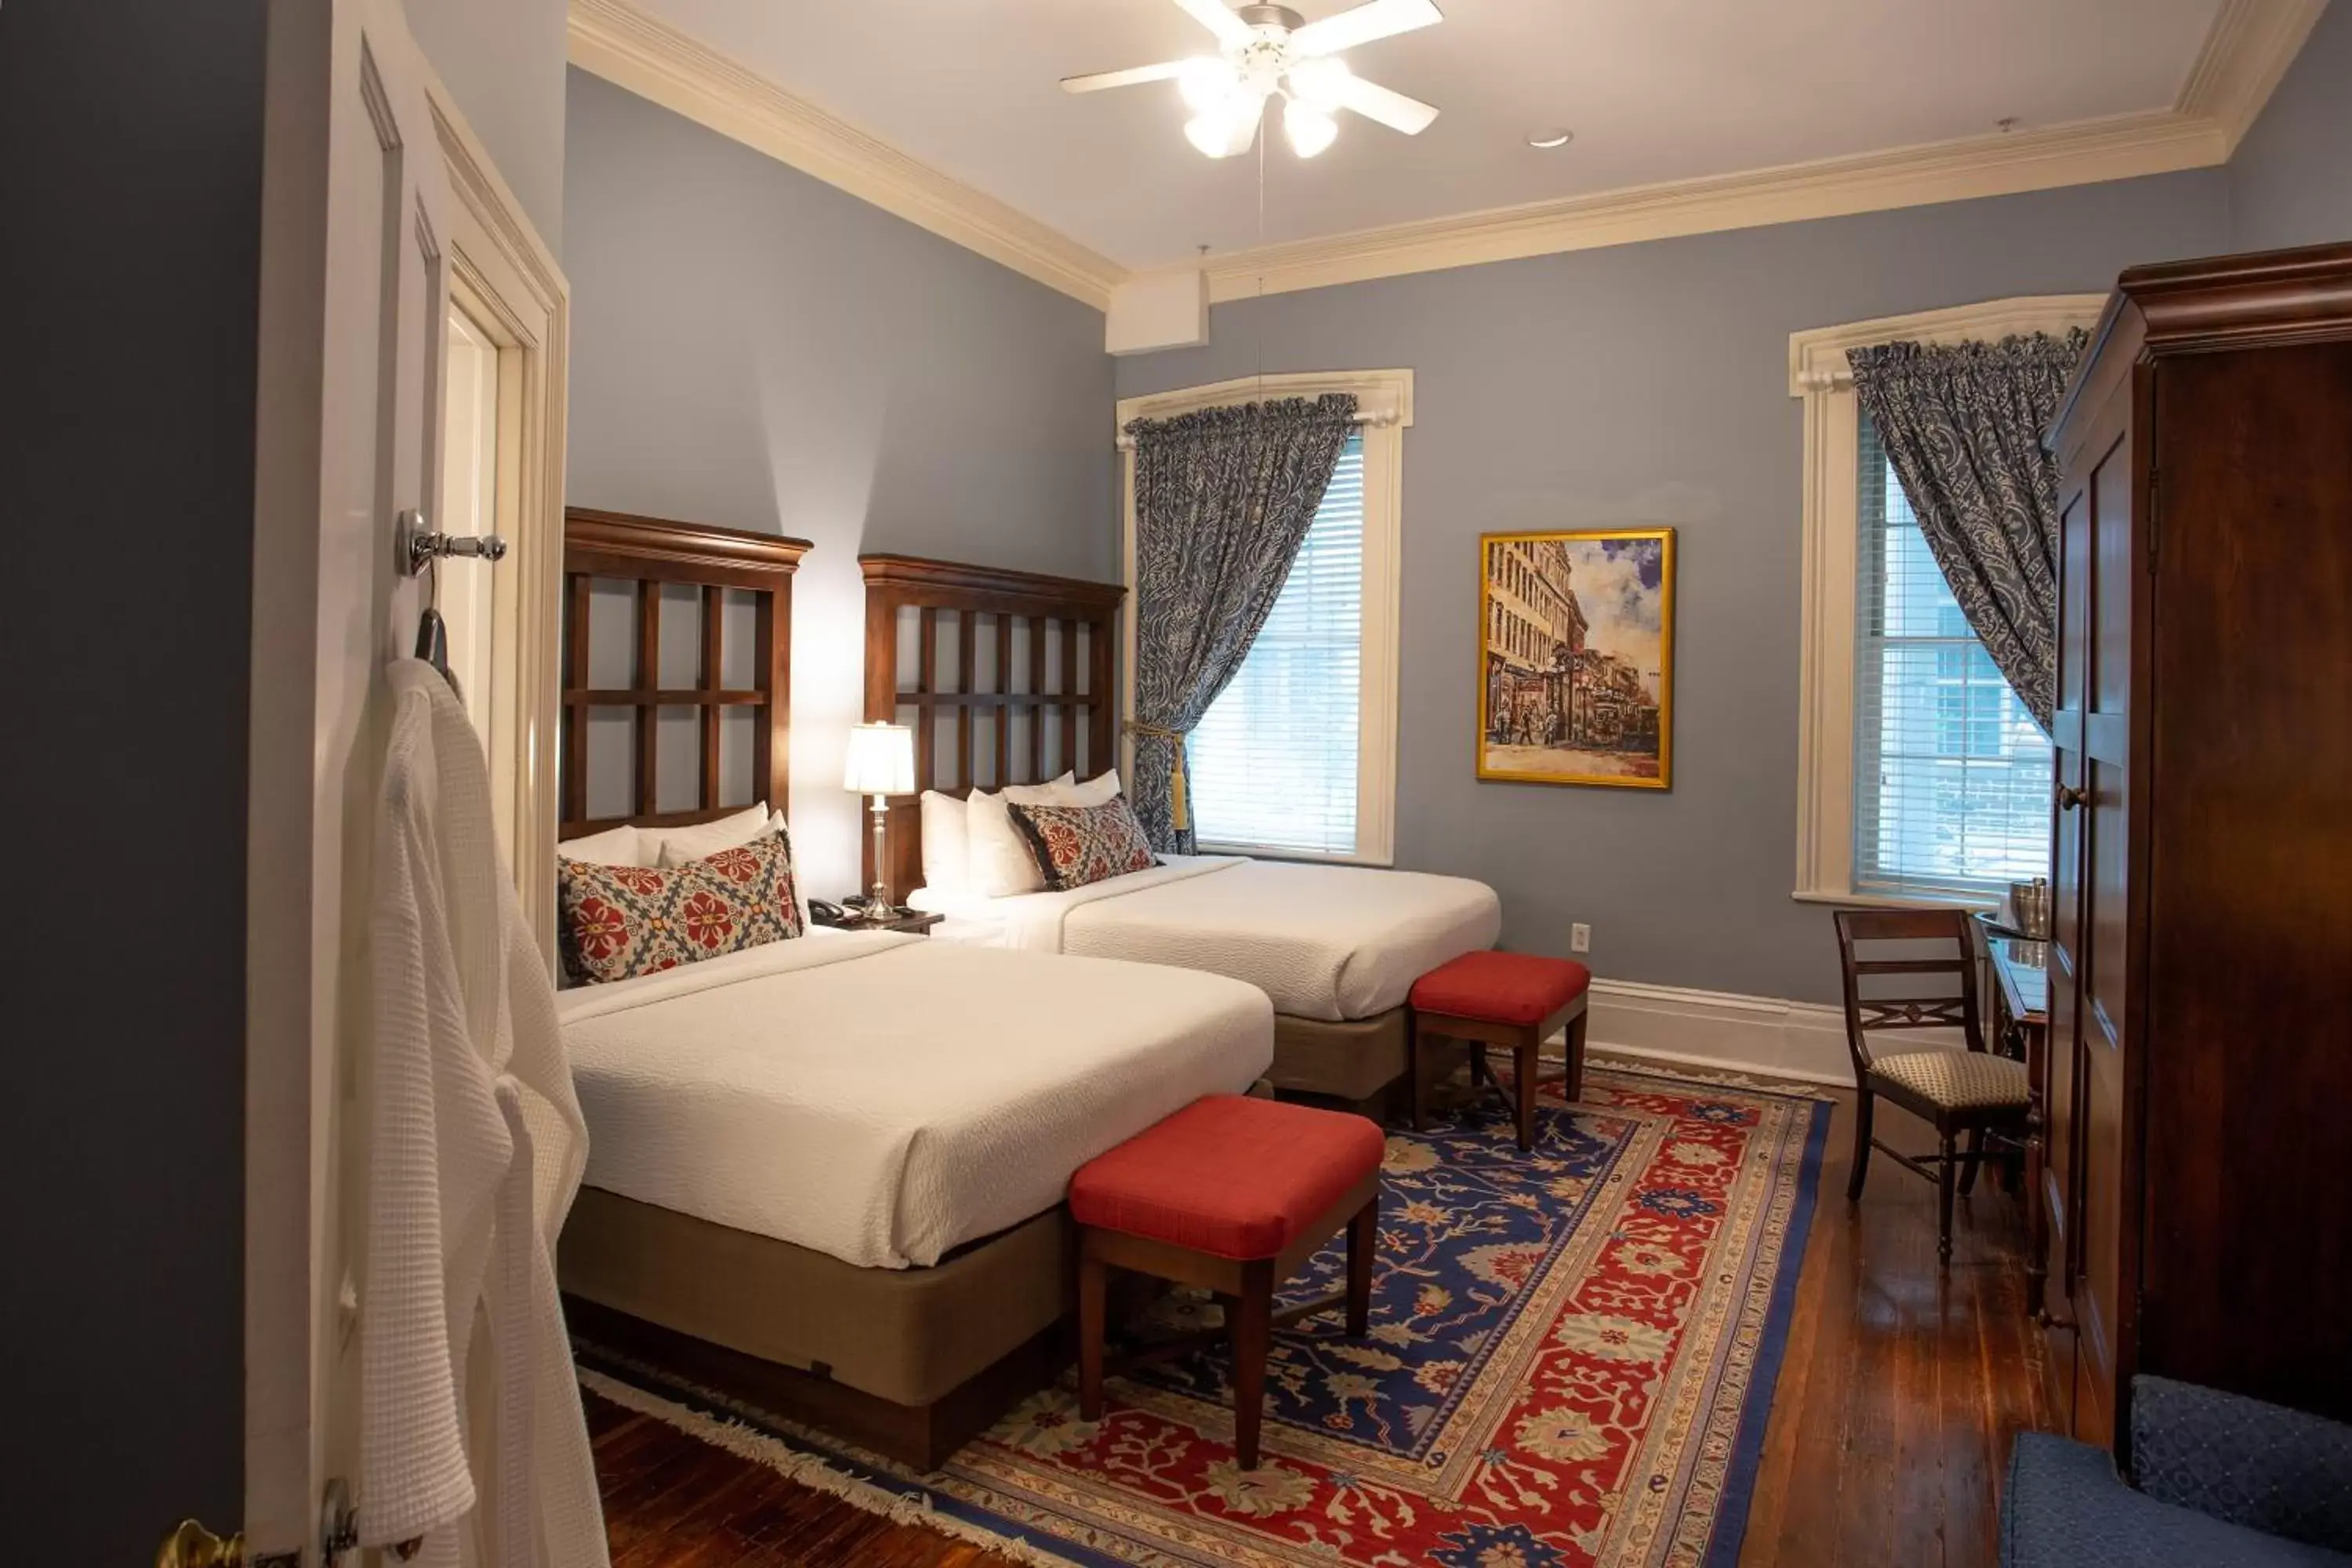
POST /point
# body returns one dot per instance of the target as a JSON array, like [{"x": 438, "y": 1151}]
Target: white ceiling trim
[
  {"x": 2250, "y": 47},
  {"x": 2116, "y": 148},
  {"x": 614, "y": 39}
]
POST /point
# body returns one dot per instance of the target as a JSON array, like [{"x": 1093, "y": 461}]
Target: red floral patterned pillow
[
  {"x": 1076, "y": 845},
  {"x": 621, "y": 922}
]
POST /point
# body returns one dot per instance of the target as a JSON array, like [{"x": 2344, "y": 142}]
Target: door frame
[{"x": 504, "y": 276}]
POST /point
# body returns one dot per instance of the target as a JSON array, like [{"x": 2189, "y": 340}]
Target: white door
[{"x": 354, "y": 300}]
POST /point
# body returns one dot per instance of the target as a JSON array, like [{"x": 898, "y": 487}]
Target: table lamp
[{"x": 881, "y": 763}]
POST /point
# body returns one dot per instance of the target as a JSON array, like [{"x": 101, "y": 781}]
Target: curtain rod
[{"x": 1382, "y": 418}]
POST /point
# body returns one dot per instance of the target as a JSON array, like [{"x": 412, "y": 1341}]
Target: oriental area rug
[{"x": 1570, "y": 1363}]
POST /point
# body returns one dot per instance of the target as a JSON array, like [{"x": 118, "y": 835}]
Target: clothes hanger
[{"x": 432, "y": 632}]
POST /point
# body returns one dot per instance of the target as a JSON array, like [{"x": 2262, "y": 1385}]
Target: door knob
[
  {"x": 2069, "y": 797},
  {"x": 193, "y": 1546}
]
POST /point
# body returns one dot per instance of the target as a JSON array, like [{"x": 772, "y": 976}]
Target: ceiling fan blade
[
  {"x": 1166, "y": 71},
  {"x": 1379, "y": 19},
  {"x": 1212, "y": 14},
  {"x": 1393, "y": 109}
]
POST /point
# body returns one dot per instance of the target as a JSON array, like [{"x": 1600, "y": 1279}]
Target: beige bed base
[
  {"x": 908, "y": 1361},
  {"x": 1355, "y": 1060}
]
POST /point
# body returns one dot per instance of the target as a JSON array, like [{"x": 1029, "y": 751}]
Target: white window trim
[
  {"x": 1818, "y": 373},
  {"x": 1384, "y": 404}
]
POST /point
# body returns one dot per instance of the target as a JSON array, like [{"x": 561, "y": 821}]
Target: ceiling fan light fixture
[
  {"x": 1205, "y": 82},
  {"x": 1227, "y": 129},
  {"x": 1310, "y": 129}
]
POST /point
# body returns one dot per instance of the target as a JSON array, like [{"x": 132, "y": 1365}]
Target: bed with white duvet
[
  {"x": 1328, "y": 944},
  {"x": 885, "y": 1098}
]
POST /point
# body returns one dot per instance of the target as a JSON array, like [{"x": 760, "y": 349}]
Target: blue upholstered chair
[{"x": 2224, "y": 1482}]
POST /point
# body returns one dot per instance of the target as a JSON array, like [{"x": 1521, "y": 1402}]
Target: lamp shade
[{"x": 881, "y": 760}]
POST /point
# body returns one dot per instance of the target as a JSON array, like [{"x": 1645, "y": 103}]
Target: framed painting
[{"x": 1575, "y": 658}]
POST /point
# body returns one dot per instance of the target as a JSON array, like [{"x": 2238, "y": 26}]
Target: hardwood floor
[
  {"x": 1898, "y": 1396},
  {"x": 1903, "y": 1386}
]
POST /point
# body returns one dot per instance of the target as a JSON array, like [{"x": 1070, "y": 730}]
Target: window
[
  {"x": 1951, "y": 773},
  {"x": 1274, "y": 761},
  {"x": 1297, "y": 757},
  {"x": 1920, "y": 776}
]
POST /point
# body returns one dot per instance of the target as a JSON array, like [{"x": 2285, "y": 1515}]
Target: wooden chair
[{"x": 1968, "y": 1091}]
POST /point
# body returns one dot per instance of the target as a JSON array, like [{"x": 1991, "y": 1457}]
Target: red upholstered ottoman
[
  {"x": 1511, "y": 999},
  {"x": 1232, "y": 1195}
]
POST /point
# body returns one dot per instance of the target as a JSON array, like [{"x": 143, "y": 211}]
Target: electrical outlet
[{"x": 1580, "y": 938}]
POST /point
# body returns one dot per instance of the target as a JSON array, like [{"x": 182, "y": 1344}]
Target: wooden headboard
[
  {"x": 726, "y": 566},
  {"x": 1005, "y": 676}
]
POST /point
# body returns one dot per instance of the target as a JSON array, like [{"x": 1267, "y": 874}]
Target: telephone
[{"x": 827, "y": 914}]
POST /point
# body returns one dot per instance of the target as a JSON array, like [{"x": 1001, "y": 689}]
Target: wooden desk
[{"x": 2022, "y": 1023}]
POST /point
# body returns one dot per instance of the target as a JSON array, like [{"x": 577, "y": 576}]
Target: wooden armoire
[{"x": 2199, "y": 1146}]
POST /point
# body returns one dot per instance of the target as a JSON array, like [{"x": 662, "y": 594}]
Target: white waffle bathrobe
[{"x": 472, "y": 1433}]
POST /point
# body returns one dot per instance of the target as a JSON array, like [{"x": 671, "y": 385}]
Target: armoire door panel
[{"x": 2250, "y": 890}]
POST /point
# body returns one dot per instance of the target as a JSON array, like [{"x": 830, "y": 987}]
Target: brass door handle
[
  {"x": 193, "y": 1546},
  {"x": 2069, "y": 797}
]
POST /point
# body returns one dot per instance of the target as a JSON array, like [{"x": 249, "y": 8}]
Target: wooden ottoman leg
[
  {"x": 1573, "y": 1089},
  {"x": 1253, "y": 1337},
  {"x": 1091, "y": 1281},
  {"x": 1363, "y": 1243},
  {"x": 1416, "y": 1045},
  {"x": 1527, "y": 1056}
]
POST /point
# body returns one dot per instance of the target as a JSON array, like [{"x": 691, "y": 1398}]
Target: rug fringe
[{"x": 747, "y": 1442}]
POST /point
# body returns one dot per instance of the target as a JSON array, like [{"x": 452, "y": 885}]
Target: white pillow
[
  {"x": 1100, "y": 789},
  {"x": 619, "y": 846},
  {"x": 675, "y": 847},
  {"x": 998, "y": 858},
  {"x": 947, "y": 853}
]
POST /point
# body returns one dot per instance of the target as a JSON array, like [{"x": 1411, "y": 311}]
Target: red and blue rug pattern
[{"x": 1570, "y": 1362}]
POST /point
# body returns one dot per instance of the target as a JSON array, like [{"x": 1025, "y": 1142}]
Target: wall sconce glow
[{"x": 1547, "y": 140}]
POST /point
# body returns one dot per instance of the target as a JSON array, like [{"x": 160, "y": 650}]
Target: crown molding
[
  {"x": 614, "y": 39},
  {"x": 2115, "y": 149},
  {"x": 2248, "y": 49}
]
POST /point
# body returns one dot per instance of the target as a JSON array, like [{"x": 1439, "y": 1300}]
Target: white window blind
[
  {"x": 1951, "y": 773},
  {"x": 1274, "y": 762}
]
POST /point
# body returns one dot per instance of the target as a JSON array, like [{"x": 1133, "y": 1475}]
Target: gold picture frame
[{"x": 1572, "y": 691}]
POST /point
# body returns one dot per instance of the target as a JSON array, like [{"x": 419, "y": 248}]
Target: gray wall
[
  {"x": 1648, "y": 385},
  {"x": 502, "y": 60},
  {"x": 2291, "y": 181},
  {"x": 130, "y": 176},
  {"x": 753, "y": 348}
]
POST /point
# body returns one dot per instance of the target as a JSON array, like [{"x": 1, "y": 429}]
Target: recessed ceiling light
[{"x": 1551, "y": 138}]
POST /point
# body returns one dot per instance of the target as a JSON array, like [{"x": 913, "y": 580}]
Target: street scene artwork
[{"x": 1576, "y": 670}]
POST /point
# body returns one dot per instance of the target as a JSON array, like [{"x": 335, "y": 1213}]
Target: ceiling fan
[{"x": 1265, "y": 51}]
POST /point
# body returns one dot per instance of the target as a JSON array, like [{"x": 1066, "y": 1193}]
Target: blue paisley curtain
[
  {"x": 1223, "y": 501},
  {"x": 1962, "y": 425}
]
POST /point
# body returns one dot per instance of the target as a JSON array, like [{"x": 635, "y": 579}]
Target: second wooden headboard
[{"x": 1005, "y": 676}]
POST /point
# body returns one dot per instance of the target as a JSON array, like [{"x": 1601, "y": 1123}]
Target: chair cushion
[
  {"x": 1501, "y": 987},
  {"x": 1956, "y": 1081},
  {"x": 2064, "y": 1506},
  {"x": 1229, "y": 1175}
]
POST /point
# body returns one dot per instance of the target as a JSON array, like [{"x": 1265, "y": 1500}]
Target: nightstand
[{"x": 911, "y": 922}]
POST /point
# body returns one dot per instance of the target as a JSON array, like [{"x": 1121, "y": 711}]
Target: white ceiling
[{"x": 1654, "y": 89}]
